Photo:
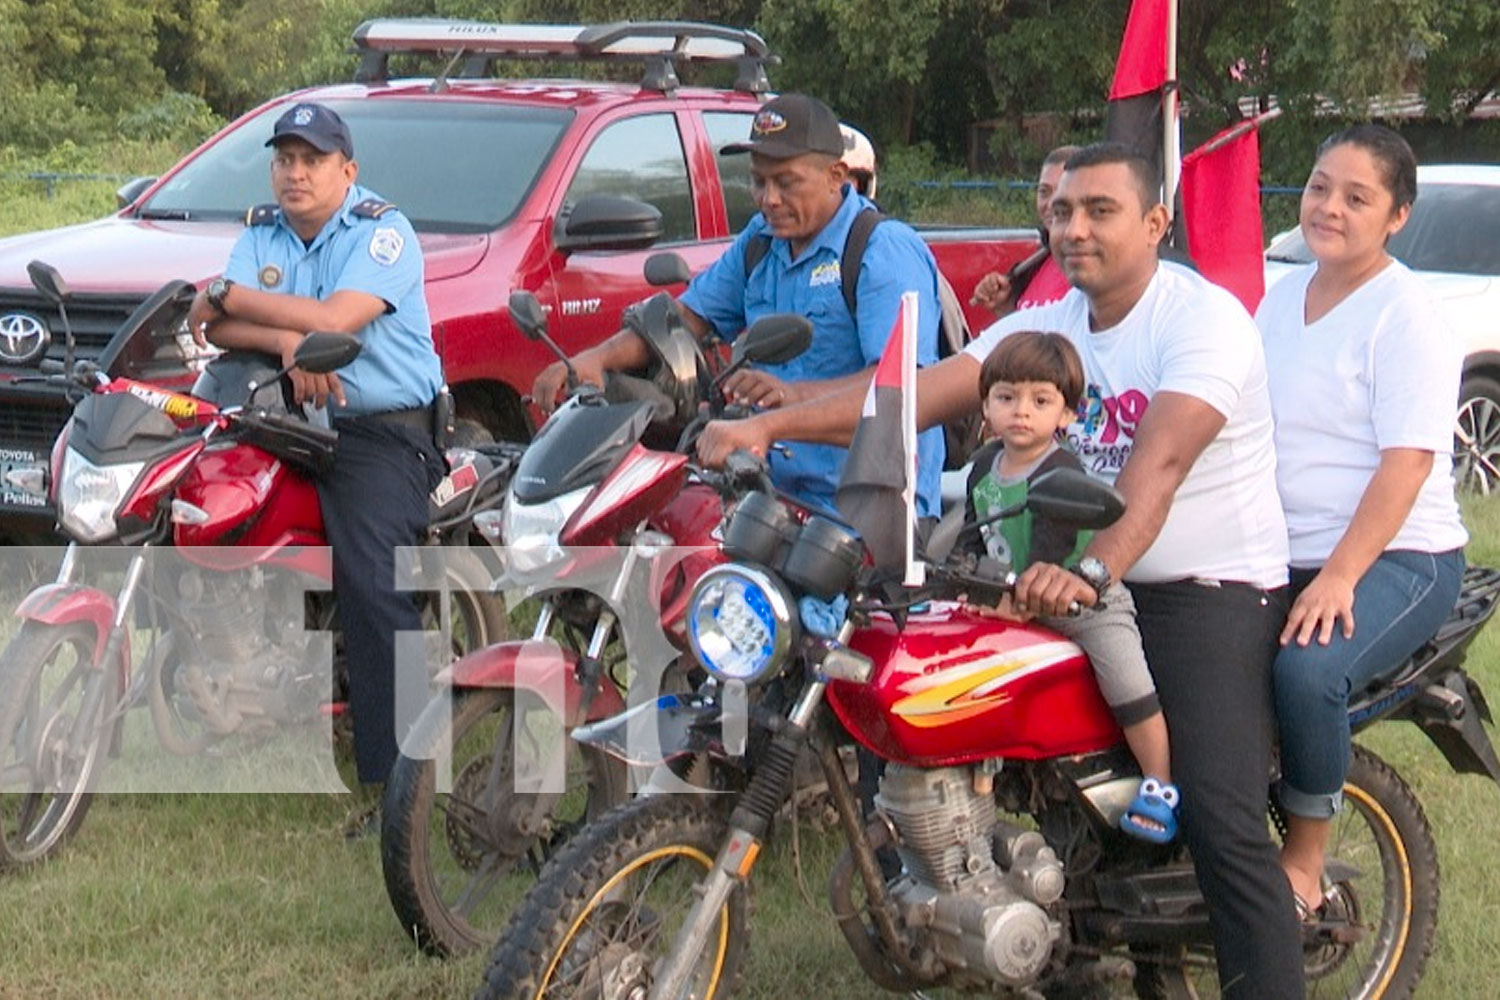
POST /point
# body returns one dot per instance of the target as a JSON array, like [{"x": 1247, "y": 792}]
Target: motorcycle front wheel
[
  {"x": 1377, "y": 930},
  {"x": 457, "y": 860},
  {"x": 608, "y": 909},
  {"x": 47, "y": 770}
]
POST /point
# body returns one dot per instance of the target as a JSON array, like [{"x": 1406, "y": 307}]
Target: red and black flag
[
  {"x": 1137, "y": 114},
  {"x": 878, "y": 490},
  {"x": 1216, "y": 204}
]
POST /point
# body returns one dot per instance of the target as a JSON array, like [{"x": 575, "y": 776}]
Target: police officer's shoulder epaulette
[
  {"x": 372, "y": 208},
  {"x": 261, "y": 215}
]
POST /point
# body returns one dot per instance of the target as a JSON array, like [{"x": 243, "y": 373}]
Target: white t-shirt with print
[
  {"x": 1184, "y": 335},
  {"x": 1379, "y": 370}
]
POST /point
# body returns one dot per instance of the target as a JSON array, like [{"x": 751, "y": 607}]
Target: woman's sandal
[{"x": 1153, "y": 814}]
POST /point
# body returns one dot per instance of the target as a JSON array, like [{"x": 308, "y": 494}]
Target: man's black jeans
[{"x": 1210, "y": 649}]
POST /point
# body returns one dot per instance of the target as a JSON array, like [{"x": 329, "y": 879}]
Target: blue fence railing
[{"x": 52, "y": 178}]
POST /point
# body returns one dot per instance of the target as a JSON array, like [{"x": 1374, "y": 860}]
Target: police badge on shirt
[{"x": 385, "y": 246}]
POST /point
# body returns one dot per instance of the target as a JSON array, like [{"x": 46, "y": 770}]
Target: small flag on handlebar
[{"x": 877, "y": 493}]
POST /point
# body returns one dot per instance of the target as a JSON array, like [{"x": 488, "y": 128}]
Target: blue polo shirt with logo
[
  {"x": 896, "y": 260},
  {"x": 398, "y": 368}
]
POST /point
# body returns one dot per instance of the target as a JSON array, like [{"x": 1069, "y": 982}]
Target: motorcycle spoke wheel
[
  {"x": 476, "y": 618},
  {"x": 1377, "y": 930},
  {"x": 607, "y": 910},
  {"x": 46, "y": 773},
  {"x": 457, "y": 862}
]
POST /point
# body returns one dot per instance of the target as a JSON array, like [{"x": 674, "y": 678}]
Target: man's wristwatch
[
  {"x": 217, "y": 289},
  {"x": 1094, "y": 573}
]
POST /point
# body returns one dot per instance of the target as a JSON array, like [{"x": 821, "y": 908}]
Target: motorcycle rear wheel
[
  {"x": 46, "y": 784},
  {"x": 609, "y": 907},
  {"x": 1383, "y": 835},
  {"x": 456, "y": 862}
]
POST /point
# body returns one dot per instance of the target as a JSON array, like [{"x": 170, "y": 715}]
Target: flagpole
[
  {"x": 1238, "y": 130},
  {"x": 1171, "y": 139}
]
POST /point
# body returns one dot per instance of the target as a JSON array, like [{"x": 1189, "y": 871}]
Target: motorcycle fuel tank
[
  {"x": 953, "y": 688},
  {"x": 252, "y": 500}
]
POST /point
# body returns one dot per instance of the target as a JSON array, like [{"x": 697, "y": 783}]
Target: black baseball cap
[
  {"x": 791, "y": 125},
  {"x": 316, "y": 125}
]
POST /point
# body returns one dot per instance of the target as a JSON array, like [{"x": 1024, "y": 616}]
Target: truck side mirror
[
  {"x": 127, "y": 193},
  {"x": 607, "y": 222}
]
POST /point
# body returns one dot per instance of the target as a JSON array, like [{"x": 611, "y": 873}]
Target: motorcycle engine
[
  {"x": 227, "y": 671},
  {"x": 979, "y": 887}
]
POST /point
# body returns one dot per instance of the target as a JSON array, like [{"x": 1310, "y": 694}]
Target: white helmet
[{"x": 859, "y": 157}]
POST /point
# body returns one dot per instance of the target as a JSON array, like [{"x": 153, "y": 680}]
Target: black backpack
[{"x": 962, "y": 435}]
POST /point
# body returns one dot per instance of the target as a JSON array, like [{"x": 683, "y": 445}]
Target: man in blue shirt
[
  {"x": 806, "y": 209},
  {"x": 331, "y": 256}
]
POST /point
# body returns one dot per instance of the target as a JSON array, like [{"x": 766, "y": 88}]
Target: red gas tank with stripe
[{"x": 953, "y": 687}]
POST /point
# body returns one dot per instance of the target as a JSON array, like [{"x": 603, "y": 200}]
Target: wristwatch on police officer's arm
[
  {"x": 217, "y": 289},
  {"x": 1094, "y": 573}
]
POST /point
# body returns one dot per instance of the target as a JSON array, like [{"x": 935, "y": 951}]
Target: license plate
[{"x": 20, "y": 459}]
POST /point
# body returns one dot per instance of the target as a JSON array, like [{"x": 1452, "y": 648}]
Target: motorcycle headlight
[
  {"x": 741, "y": 623},
  {"x": 88, "y": 495},
  {"x": 530, "y": 531}
]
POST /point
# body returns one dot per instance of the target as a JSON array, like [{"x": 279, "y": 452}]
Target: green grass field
[{"x": 253, "y": 896}]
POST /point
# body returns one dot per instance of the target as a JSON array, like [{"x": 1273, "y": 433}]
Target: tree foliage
[{"x": 910, "y": 72}]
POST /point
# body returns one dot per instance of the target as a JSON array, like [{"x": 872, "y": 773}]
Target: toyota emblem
[{"x": 24, "y": 338}]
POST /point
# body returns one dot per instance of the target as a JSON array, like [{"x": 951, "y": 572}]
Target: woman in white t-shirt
[{"x": 1364, "y": 373}]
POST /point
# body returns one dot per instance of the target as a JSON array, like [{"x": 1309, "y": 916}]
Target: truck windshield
[{"x": 451, "y": 166}]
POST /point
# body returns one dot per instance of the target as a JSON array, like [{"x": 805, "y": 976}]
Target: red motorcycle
[
  {"x": 208, "y": 513},
  {"x": 603, "y": 508},
  {"x": 1005, "y": 777}
]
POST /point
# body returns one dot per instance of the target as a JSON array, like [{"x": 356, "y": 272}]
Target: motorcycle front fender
[
  {"x": 58, "y": 604},
  {"x": 1452, "y": 713},
  {"x": 538, "y": 666},
  {"x": 657, "y": 732}
]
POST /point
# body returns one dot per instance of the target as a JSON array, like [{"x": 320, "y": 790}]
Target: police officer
[
  {"x": 806, "y": 211},
  {"x": 331, "y": 256}
]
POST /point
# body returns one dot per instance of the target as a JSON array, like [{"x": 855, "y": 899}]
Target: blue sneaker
[{"x": 1153, "y": 814}]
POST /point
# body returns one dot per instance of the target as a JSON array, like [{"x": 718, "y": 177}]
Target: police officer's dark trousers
[{"x": 374, "y": 502}]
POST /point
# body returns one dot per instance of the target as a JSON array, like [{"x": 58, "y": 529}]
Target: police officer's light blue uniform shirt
[
  {"x": 398, "y": 368},
  {"x": 896, "y": 260}
]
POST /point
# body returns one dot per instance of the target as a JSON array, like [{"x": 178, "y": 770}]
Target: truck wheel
[{"x": 1476, "y": 438}]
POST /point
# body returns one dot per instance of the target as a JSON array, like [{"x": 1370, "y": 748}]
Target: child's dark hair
[{"x": 1033, "y": 356}]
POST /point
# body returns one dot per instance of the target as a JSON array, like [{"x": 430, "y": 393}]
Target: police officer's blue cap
[{"x": 318, "y": 126}]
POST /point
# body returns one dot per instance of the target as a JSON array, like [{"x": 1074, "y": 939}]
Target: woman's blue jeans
[{"x": 1398, "y": 605}]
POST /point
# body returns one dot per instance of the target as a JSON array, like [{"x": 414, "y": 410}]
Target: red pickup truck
[{"x": 511, "y": 184}]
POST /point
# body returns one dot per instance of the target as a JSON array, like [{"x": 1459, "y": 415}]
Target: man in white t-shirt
[{"x": 1178, "y": 418}]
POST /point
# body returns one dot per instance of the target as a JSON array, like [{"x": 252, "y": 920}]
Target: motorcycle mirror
[
  {"x": 1073, "y": 496},
  {"x": 529, "y": 315},
  {"x": 52, "y": 286},
  {"x": 531, "y": 319},
  {"x": 321, "y": 353},
  {"x": 47, "y": 281},
  {"x": 773, "y": 340},
  {"x": 666, "y": 269}
]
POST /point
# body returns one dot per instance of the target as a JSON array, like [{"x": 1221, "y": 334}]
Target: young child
[{"x": 1030, "y": 386}]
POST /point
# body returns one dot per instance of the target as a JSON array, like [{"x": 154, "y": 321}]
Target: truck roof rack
[{"x": 473, "y": 47}]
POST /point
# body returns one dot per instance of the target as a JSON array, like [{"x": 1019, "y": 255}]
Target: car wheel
[{"x": 1476, "y": 438}]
